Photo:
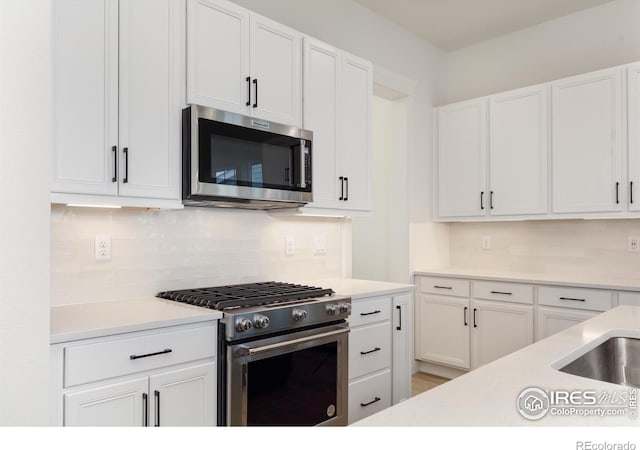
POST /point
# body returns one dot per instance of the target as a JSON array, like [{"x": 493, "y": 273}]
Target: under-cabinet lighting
[{"x": 79, "y": 205}]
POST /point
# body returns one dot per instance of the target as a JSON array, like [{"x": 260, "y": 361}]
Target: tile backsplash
[
  {"x": 562, "y": 247},
  {"x": 154, "y": 251}
]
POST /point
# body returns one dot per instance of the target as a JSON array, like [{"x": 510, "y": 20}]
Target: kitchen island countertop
[
  {"x": 488, "y": 395},
  {"x": 89, "y": 320}
]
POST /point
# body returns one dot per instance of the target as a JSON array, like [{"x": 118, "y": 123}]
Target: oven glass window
[
  {"x": 239, "y": 156},
  {"x": 298, "y": 388}
]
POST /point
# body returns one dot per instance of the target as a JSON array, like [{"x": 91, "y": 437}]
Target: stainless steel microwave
[{"x": 231, "y": 160}]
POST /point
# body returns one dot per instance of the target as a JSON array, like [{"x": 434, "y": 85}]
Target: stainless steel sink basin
[{"x": 616, "y": 360}]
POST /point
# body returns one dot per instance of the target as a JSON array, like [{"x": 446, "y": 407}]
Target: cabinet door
[
  {"x": 443, "y": 330},
  {"x": 634, "y": 136},
  {"x": 498, "y": 329},
  {"x": 184, "y": 397},
  {"x": 85, "y": 96},
  {"x": 552, "y": 321},
  {"x": 276, "y": 68},
  {"x": 461, "y": 154},
  {"x": 518, "y": 145},
  {"x": 402, "y": 348},
  {"x": 151, "y": 97},
  {"x": 355, "y": 132},
  {"x": 587, "y": 143},
  {"x": 118, "y": 405},
  {"x": 218, "y": 55},
  {"x": 321, "y": 87}
]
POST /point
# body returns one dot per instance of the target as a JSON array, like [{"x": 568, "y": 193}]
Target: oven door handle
[{"x": 248, "y": 351}]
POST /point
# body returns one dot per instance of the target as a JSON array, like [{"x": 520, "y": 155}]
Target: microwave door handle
[{"x": 303, "y": 169}]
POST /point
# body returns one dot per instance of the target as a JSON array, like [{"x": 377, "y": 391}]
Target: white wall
[
  {"x": 25, "y": 147},
  {"x": 351, "y": 27},
  {"x": 599, "y": 37},
  {"x": 153, "y": 251}
]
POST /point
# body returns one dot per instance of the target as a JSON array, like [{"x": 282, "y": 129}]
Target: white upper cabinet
[
  {"x": 337, "y": 108},
  {"x": 461, "y": 159},
  {"x": 218, "y": 75},
  {"x": 118, "y": 92},
  {"x": 587, "y": 143},
  {"x": 242, "y": 62},
  {"x": 518, "y": 149},
  {"x": 85, "y": 96},
  {"x": 633, "y": 89}
]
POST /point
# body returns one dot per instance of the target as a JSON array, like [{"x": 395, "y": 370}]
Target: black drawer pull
[
  {"x": 377, "y": 399},
  {"x": 466, "y": 309},
  {"x": 501, "y": 293},
  {"x": 157, "y": 395},
  {"x": 370, "y": 313},
  {"x": 248, "y": 79},
  {"x": 482, "y": 200},
  {"x": 145, "y": 409},
  {"x": 443, "y": 287},
  {"x": 399, "y": 327},
  {"x": 166, "y": 350},
  {"x": 573, "y": 299},
  {"x": 475, "y": 319},
  {"x": 377, "y": 349}
]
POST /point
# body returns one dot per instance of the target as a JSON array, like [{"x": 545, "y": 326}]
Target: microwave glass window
[{"x": 245, "y": 157}]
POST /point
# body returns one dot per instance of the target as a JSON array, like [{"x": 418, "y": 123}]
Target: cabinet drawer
[
  {"x": 369, "y": 349},
  {"x": 368, "y": 311},
  {"x": 508, "y": 292},
  {"x": 629, "y": 298},
  {"x": 444, "y": 286},
  {"x": 593, "y": 300},
  {"x": 369, "y": 395},
  {"x": 128, "y": 354}
]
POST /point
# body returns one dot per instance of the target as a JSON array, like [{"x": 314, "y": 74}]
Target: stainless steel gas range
[{"x": 283, "y": 352}]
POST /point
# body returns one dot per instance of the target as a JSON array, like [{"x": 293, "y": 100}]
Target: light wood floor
[{"x": 421, "y": 382}]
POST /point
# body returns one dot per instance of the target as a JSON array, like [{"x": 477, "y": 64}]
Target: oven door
[{"x": 295, "y": 379}]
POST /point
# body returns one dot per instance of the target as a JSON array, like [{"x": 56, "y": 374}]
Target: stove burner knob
[
  {"x": 260, "y": 321},
  {"x": 299, "y": 314},
  {"x": 243, "y": 325},
  {"x": 345, "y": 308},
  {"x": 332, "y": 309}
]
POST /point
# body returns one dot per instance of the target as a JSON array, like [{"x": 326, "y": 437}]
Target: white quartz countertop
[
  {"x": 488, "y": 395},
  {"x": 89, "y": 320},
  {"x": 356, "y": 289},
  {"x": 596, "y": 282}
]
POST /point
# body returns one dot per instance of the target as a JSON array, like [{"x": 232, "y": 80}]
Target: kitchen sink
[{"x": 616, "y": 360}]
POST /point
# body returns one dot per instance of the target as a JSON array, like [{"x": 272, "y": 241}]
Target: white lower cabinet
[
  {"x": 380, "y": 353},
  {"x": 160, "y": 377},
  {"x": 554, "y": 320}
]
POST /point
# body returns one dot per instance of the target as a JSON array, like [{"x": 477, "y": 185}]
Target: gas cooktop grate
[{"x": 243, "y": 295}]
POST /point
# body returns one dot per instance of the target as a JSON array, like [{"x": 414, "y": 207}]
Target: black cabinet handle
[
  {"x": 114, "y": 149},
  {"x": 166, "y": 350},
  {"x": 370, "y": 313},
  {"x": 475, "y": 322},
  {"x": 248, "y": 79},
  {"x": 377, "y": 349},
  {"x": 376, "y": 399},
  {"x": 443, "y": 287},
  {"x": 346, "y": 197},
  {"x": 617, "y": 193},
  {"x": 631, "y": 192},
  {"x": 126, "y": 164},
  {"x": 157, "y": 395},
  {"x": 255, "y": 82},
  {"x": 573, "y": 299},
  {"x": 501, "y": 293},
  {"x": 341, "y": 188},
  {"x": 399, "y": 327},
  {"x": 482, "y": 200},
  {"x": 466, "y": 309},
  {"x": 145, "y": 409},
  {"x": 491, "y": 200}
]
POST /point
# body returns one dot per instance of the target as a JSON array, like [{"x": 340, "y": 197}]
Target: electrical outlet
[
  {"x": 103, "y": 248},
  {"x": 289, "y": 245},
  {"x": 633, "y": 244},
  {"x": 319, "y": 245},
  {"x": 486, "y": 242}
]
